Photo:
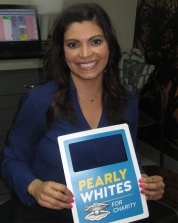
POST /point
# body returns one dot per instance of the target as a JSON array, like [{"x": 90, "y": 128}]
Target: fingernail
[
  {"x": 70, "y": 206},
  {"x": 141, "y": 185},
  {"x": 140, "y": 180},
  {"x": 71, "y": 200},
  {"x": 142, "y": 191}
]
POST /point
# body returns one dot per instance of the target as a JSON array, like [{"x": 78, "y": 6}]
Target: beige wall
[
  {"x": 14, "y": 1},
  {"x": 121, "y": 12}
]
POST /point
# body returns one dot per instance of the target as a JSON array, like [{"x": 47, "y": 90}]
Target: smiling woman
[
  {"x": 82, "y": 91},
  {"x": 86, "y": 54}
]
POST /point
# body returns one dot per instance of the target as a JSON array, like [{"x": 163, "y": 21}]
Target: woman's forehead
[{"x": 85, "y": 28}]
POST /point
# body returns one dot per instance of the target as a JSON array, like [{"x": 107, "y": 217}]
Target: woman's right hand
[{"x": 51, "y": 195}]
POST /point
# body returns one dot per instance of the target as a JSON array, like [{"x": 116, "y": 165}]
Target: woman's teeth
[{"x": 88, "y": 65}]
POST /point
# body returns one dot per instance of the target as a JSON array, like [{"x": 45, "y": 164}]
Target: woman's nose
[{"x": 85, "y": 51}]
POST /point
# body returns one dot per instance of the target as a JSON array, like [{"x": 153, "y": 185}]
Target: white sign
[{"x": 105, "y": 187}]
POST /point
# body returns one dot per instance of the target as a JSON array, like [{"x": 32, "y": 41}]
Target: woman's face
[{"x": 86, "y": 50}]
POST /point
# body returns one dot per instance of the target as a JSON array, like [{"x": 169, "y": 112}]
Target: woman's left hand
[{"x": 152, "y": 187}]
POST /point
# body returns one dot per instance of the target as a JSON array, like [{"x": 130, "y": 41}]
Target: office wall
[
  {"x": 121, "y": 12},
  {"x": 14, "y": 1}
]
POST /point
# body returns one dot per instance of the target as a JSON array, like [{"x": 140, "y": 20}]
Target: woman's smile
[{"x": 87, "y": 66}]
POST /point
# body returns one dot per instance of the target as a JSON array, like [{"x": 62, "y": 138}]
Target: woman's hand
[
  {"x": 152, "y": 187},
  {"x": 51, "y": 194}
]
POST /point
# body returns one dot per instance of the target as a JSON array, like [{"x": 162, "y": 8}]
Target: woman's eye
[
  {"x": 96, "y": 42},
  {"x": 72, "y": 45}
]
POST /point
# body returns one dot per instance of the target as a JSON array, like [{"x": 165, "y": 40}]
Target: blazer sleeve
[{"x": 28, "y": 128}]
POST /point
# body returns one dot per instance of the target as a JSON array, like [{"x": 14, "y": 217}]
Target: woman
[{"x": 82, "y": 91}]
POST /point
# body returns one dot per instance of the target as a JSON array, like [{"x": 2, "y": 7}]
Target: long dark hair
[{"x": 55, "y": 67}]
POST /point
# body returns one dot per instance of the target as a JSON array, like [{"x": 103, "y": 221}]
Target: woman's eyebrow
[
  {"x": 71, "y": 40},
  {"x": 92, "y": 37},
  {"x": 96, "y": 36}
]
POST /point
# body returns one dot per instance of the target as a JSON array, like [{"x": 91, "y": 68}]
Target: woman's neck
[{"x": 90, "y": 90}]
